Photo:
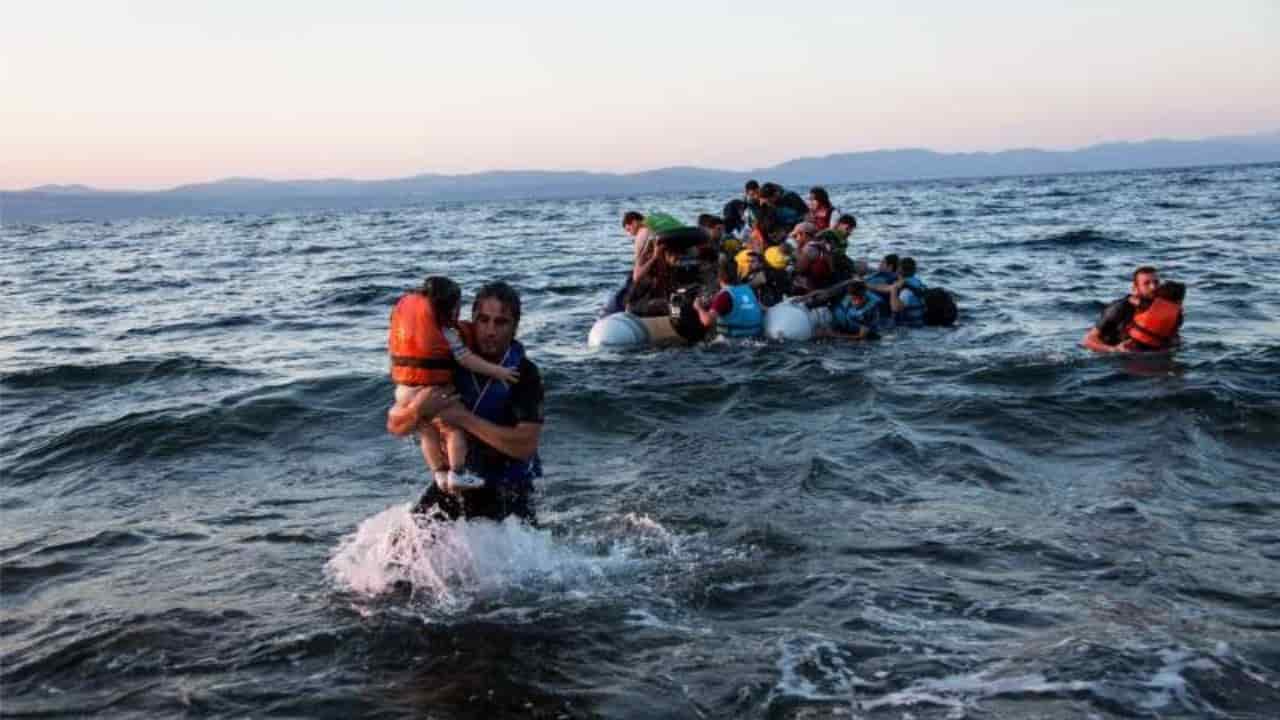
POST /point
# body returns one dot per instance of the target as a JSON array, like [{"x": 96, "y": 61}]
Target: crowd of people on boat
[
  {"x": 474, "y": 400},
  {"x": 767, "y": 247}
]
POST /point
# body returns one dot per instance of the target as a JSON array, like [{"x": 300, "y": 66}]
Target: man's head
[
  {"x": 631, "y": 222},
  {"x": 672, "y": 255},
  {"x": 770, "y": 193},
  {"x": 907, "y": 268},
  {"x": 752, "y": 191},
  {"x": 1145, "y": 282},
  {"x": 890, "y": 263},
  {"x": 858, "y": 292},
  {"x": 803, "y": 233},
  {"x": 713, "y": 225},
  {"x": 495, "y": 315},
  {"x": 847, "y": 223}
]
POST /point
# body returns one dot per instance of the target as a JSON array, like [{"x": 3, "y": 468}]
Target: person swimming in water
[
  {"x": 1155, "y": 329},
  {"x": 425, "y": 345},
  {"x": 856, "y": 316},
  {"x": 1110, "y": 333}
]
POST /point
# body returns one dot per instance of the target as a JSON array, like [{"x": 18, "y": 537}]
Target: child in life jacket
[
  {"x": 1156, "y": 328},
  {"x": 424, "y": 342}
]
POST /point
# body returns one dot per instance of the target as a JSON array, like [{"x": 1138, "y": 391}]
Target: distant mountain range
[{"x": 248, "y": 195}]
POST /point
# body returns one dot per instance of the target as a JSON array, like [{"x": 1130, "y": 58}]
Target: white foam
[{"x": 450, "y": 563}]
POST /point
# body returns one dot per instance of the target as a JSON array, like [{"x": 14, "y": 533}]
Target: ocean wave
[
  {"x": 195, "y": 326},
  {"x": 236, "y": 422},
  {"x": 1087, "y": 237},
  {"x": 380, "y": 295}
]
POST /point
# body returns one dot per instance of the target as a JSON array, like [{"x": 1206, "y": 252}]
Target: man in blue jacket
[{"x": 504, "y": 422}]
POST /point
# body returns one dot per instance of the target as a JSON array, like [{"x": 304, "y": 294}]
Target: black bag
[{"x": 939, "y": 307}]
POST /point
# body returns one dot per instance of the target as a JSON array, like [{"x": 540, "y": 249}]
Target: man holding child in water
[
  {"x": 503, "y": 421},
  {"x": 1147, "y": 319}
]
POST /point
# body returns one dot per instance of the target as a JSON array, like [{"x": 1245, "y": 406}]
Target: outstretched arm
[
  {"x": 475, "y": 363},
  {"x": 1093, "y": 341}
]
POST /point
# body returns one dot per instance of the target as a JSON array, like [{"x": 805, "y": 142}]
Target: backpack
[{"x": 939, "y": 307}]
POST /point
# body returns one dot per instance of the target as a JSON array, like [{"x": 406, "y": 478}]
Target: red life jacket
[
  {"x": 821, "y": 218},
  {"x": 1156, "y": 326},
  {"x": 418, "y": 349}
]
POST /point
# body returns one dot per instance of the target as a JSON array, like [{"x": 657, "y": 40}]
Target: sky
[{"x": 149, "y": 95}]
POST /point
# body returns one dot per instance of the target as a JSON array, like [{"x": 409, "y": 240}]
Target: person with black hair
[
  {"x": 1110, "y": 332},
  {"x": 735, "y": 218},
  {"x": 856, "y": 315},
  {"x": 906, "y": 296},
  {"x": 1155, "y": 329},
  {"x": 821, "y": 213},
  {"x": 847, "y": 224},
  {"x": 503, "y": 421},
  {"x": 425, "y": 345},
  {"x": 633, "y": 226},
  {"x": 734, "y": 311}
]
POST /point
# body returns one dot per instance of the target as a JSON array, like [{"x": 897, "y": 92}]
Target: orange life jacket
[
  {"x": 419, "y": 351},
  {"x": 1157, "y": 325}
]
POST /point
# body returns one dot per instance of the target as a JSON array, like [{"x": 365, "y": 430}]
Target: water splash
[{"x": 450, "y": 565}]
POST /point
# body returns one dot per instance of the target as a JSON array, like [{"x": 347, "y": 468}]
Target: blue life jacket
[
  {"x": 747, "y": 317},
  {"x": 489, "y": 399},
  {"x": 913, "y": 313},
  {"x": 850, "y": 318},
  {"x": 883, "y": 277}
]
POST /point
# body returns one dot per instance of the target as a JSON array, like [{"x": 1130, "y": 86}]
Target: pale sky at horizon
[{"x": 148, "y": 95}]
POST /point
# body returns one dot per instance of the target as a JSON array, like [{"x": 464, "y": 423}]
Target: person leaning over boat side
[
  {"x": 907, "y": 296},
  {"x": 881, "y": 283},
  {"x": 503, "y": 421},
  {"x": 650, "y": 296},
  {"x": 856, "y": 316},
  {"x": 632, "y": 225},
  {"x": 1110, "y": 333},
  {"x": 734, "y": 311}
]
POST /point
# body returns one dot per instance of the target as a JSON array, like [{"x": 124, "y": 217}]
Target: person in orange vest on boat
[
  {"x": 1110, "y": 334},
  {"x": 426, "y": 346},
  {"x": 1156, "y": 328}
]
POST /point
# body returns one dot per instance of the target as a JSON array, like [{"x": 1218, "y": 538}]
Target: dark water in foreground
[{"x": 986, "y": 522}]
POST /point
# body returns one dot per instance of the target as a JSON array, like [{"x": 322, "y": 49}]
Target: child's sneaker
[
  {"x": 465, "y": 481},
  {"x": 441, "y": 478}
]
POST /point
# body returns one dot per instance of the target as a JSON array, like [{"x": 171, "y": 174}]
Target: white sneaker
[
  {"x": 440, "y": 478},
  {"x": 465, "y": 481}
]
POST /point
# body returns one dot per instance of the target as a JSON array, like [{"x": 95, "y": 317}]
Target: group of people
[
  {"x": 474, "y": 400},
  {"x": 765, "y": 247}
]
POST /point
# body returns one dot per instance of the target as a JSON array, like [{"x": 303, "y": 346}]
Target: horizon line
[{"x": 81, "y": 187}]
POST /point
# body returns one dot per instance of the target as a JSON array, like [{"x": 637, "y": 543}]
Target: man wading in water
[
  {"x": 504, "y": 422},
  {"x": 1110, "y": 334}
]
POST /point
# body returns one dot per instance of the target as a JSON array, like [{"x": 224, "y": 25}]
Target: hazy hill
[{"x": 249, "y": 195}]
